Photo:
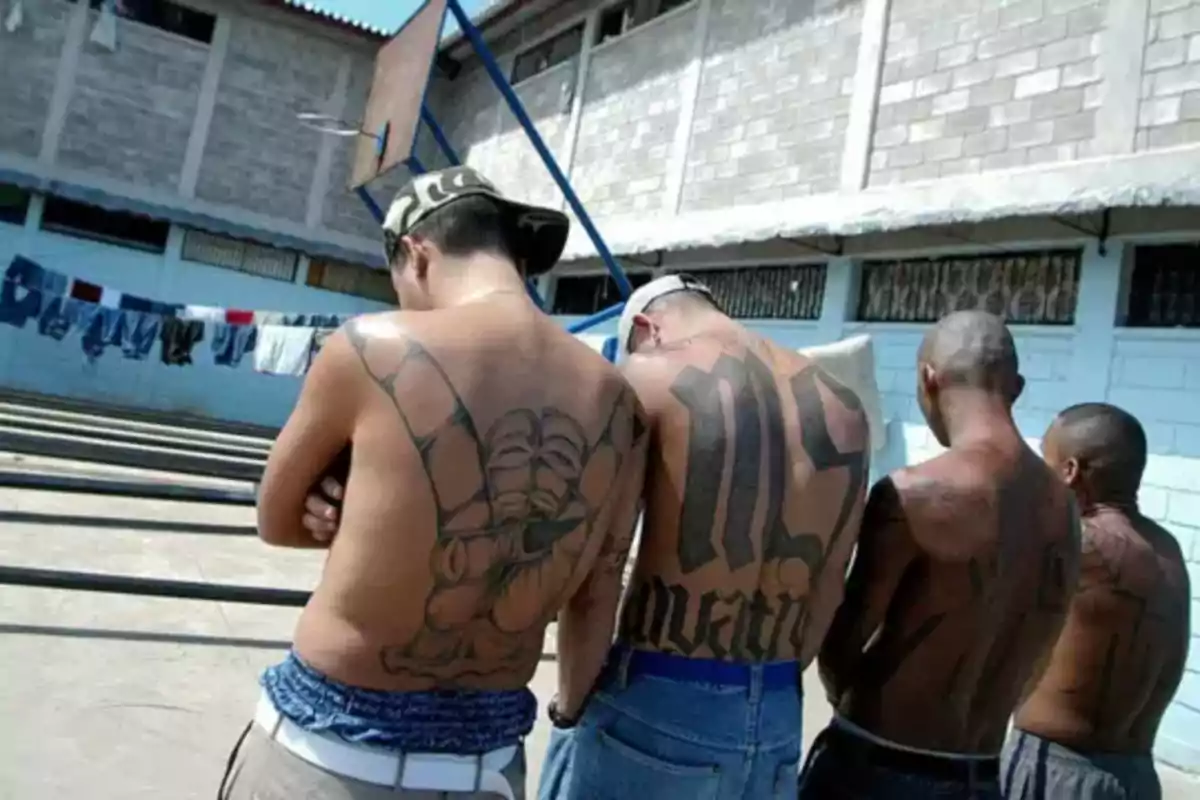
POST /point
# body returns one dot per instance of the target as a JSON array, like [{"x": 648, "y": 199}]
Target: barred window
[
  {"x": 580, "y": 295},
  {"x": 1038, "y": 288},
  {"x": 121, "y": 228},
  {"x": 547, "y": 54},
  {"x": 788, "y": 292},
  {"x": 1164, "y": 290},
  {"x": 256, "y": 259},
  {"x": 14, "y": 204},
  {"x": 356, "y": 279}
]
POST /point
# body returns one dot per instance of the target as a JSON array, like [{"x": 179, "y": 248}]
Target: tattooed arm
[
  {"x": 588, "y": 620},
  {"x": 316, "y": 433},
  {"x": 885, "y": 551}
]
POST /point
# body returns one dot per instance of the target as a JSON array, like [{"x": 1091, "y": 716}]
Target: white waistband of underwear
[
  {"x": 849, "y": 727},
  {"x": 434, "y": 772}
]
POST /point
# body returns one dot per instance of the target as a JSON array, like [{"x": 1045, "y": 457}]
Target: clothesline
[{"x": 59, "y": 305}]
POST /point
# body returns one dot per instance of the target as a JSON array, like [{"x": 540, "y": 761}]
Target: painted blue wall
[{"x": 30, "y": 362}]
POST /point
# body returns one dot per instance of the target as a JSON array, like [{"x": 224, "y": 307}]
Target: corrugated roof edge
[{"x": 341, "y": 20}]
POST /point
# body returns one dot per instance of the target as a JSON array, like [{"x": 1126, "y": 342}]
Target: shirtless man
[
  {"x": 1087, "y": 730},
  {"x": 495, "y": 470},
  {"x": 755, "y": 486},
  {"x": 959, "y": 588}
]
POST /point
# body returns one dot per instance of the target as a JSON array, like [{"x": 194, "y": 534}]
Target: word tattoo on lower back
[
  {"x": 733, "y": 625},
  {"x": 736, "y": 406},
  {"x": 516, "y": 505}
]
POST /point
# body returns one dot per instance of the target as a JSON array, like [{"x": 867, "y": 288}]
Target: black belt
[{"x": 967, "y": 771}]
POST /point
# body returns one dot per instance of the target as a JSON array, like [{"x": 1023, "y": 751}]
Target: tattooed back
[
  {"x": 755, "y": 485},
  {"x": 1122, "y": 652},
  {"x": 487, "y": 454},
  {"x": 982, "y": 553}
]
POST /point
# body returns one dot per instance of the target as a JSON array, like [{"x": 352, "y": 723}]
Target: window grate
[
  {"x": 580, "y": 295},
  {"x": 255, "y": 259},
  {"x": 1038, "y": 288},
  {"x": 547, "y": 54},
  {"x": 121, "y": 228},
  {"x": 787, "y": 292},
  {"x": 1164, "y": 289},
  {"x": 14, "y": 204},
  {"x": 352, "y": 279},
  {"x": 171, "y": 17}
]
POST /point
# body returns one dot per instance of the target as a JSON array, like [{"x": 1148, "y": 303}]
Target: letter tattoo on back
[
  {"x": 739, "y": 460},
  {"x": 515, "y": 505}
]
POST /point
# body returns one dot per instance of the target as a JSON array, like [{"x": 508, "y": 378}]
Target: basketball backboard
[{"x": 393, "y": 114}]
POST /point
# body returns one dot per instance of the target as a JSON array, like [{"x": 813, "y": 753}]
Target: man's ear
[
  {"x": 418, "y": 256},
  {"x": 1017, "y": 387},
  {"x": 644, "y": 329},
  {"x": 929, "y": 379},
  {"x": 1071, "y": 472}
]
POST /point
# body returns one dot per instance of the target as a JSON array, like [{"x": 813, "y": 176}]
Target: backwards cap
[{"x": 646, "y": 296}]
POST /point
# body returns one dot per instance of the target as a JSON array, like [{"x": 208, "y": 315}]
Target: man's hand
[{"x": 321, "y": 517}]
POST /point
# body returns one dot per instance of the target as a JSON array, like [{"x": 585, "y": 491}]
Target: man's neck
[
  {"x": 1125, "y": 507},
  {"x": 977, "y": 417},
  {"x": 473, "y": 279}
]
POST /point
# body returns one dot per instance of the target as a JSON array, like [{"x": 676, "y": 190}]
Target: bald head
[
  {"x": 1107, "y": 443},
  {"x": 972, "y": 349}
]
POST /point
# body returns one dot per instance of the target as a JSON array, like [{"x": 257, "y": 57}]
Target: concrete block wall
[
  {"x": 29, "y": 62},
  {"x": 512, "y": 163},
  {"x": 1156, "y": 375},
  {"x": 773, "y": 102},
  {"x": 257, "y": 156},
  {"x": 979, "y": 85},
  {"x": 631, "y": 105},
  {"x": 132, "y": 109},
  {"x": 1169, "y": 113}
]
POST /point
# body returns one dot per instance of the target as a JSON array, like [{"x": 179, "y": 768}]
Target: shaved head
[
  {"x": 1107, "y": 443},
  {"x": 972, "y": 349}
]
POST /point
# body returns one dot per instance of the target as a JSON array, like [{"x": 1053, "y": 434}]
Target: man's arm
[
  {"x": 320, "y": 427},
  {"x": 588, "y": 620},
  {"x": 885, "y": 551}
]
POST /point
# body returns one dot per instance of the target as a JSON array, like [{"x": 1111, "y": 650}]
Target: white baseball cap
[{"x": 641, "y": 299}]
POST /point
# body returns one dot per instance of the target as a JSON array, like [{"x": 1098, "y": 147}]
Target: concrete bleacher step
[
  {"x": 105, "y": 429},
  {"x": 135, "y": 427},
  {"x": 99, "y": 449}
]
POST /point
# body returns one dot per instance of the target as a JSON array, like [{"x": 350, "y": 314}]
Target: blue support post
[
  {"x": 514, "y": 104},
  {"x": 372, "y": 206},
  {"x": 439, "y": 136},
  {"x": 595, "y": 319},
  {"x": 531, "y": 287}
]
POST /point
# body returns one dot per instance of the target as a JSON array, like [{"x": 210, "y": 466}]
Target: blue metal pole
[
  {"x": 415, "y": 166},
  {"x": 372, "y": 206},
  {"x": 439, "y": 136},
  {"x": 514, "y": 104},
  {"x": 534, "y": 294},
  {"x": 595, "y": 319}
]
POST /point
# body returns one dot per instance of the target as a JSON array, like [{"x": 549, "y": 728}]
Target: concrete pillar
[
  {"x": 1122, "y": 50},
  {"x": 64, "y": 83},
  {"x": 209, "y": 84},
  {"x": 689, "y": 86},
  {"x": 837, "y": 303},
  {"x": 856, "y": 157},
  {"x": 1100, "y": 278}
]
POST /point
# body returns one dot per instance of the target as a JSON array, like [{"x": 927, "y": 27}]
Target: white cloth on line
[
  {"x": 204, "y": 313},
  {"x": 283, "y": 349},
  {"x": 852, "y": 362}
]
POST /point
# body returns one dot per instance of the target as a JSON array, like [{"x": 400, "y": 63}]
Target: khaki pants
[{"x": 261, "y": 769}]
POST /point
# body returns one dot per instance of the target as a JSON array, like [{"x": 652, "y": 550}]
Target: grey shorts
[{"x": 1034, "y": 768}]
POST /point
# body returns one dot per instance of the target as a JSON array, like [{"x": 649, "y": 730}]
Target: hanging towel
[
  {"x": 85, "y": 291},
  {"x": 283, "y": 350},
  {"x": 139, "y": 333},
  {"x": 178, "y": 338},
  {"x": 237, "y": 316},
  {"x": 203, "y": 313}
]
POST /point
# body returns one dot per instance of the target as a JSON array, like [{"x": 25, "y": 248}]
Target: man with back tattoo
[
  {"x": 1086, "y": 731},
  {"x": 755, "y": 485},
  {"x": 495, "y": 470},
  {"x": 959, "y": 587}
]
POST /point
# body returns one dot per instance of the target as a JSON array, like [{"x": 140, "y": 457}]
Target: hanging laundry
[
  {"x": 21, "y": 293},
  {"x": 88, "y": 292},
  {"x": 320, "y": 337},
  {"x": 283, "y": 350},
  {"x": 231, "y": 342},
  {"x": 106, "y": 328},
  {"x": 235, "y": 316},
  {"x": 203, "y": 313},
  {"x": 325, "y": 320},
  {"x": 178, "y": 338},
  {"x": 140, "y": 332}
]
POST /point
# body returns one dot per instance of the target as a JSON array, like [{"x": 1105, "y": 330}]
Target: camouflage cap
[{"x": 541, "y": 233}]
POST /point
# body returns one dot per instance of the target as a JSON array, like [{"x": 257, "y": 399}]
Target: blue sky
[{"x": 387, "y": 14}]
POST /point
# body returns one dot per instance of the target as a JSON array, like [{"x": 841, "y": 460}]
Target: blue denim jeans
[
  {"x": 842, "y": 766},
  {"x": 662, "y": 738}
]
